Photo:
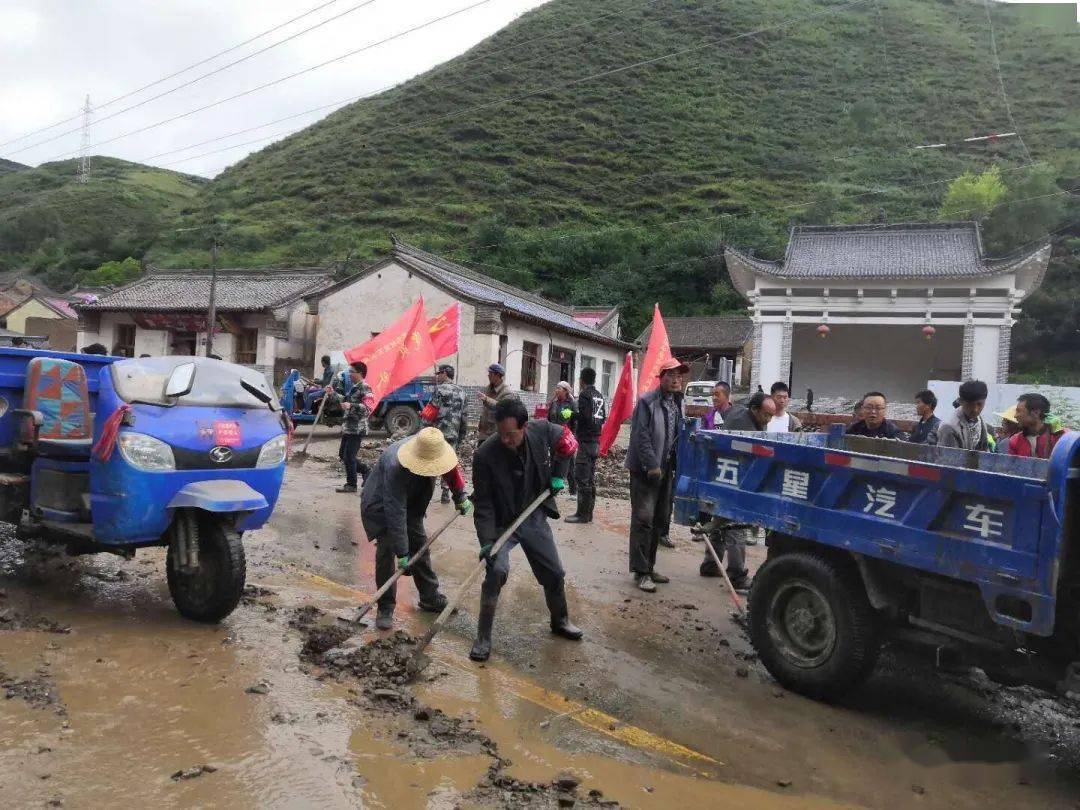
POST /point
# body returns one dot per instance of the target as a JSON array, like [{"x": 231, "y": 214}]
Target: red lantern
[
  {"x": 823, "y": 330},
  {"x": 929, "y": 331}
]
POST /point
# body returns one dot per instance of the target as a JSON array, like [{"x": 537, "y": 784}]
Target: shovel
[
  {"x": 727, "y": 580},
  {"x": 419, "y": 661},
  {"x": 301, "y": 456},
  {"x": 365, "y": 609}
]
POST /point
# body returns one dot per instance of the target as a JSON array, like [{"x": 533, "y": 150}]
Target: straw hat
[
  {"x": 428, "y": 453},
  {"x": 1008, "y": 416}
]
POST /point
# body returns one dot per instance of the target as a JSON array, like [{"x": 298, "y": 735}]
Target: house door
[
  {"x": 562, "y": 367},
  {"x": 182, "y": 343}
]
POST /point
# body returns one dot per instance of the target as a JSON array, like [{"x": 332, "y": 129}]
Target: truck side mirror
[{"x": 181, "y": 380}]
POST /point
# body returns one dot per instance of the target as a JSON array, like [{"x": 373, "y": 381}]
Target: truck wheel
[
  {"x": 812, "y": 625},
  {"x": 401, "y": 420},
  {"x": 211, "y": 591}
]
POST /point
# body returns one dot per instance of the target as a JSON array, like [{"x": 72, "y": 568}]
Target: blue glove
[{"x": 464, "y": 506}]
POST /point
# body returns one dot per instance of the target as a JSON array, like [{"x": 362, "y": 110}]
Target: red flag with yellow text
[
  {"x": 622, "y": 406},
  {"x": 658, "y": 353},
  {"x": 398, "y": 354},
  {"x": 445, "y": 330}
]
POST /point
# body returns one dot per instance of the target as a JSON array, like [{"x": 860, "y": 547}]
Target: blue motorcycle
[{"x": 104, "y": 454}]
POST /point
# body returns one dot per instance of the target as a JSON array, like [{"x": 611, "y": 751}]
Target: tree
[
  {"x": 1033, "y": 208},
  {"x": 113, "y": 274},
  {"x": 973, "y": 196}
]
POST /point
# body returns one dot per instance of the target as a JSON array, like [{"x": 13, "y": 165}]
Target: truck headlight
[
  {"x": 145, "y": 452},
  {"x": 273, "y": 452}
]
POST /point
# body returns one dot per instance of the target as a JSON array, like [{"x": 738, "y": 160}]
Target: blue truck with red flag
[{"x": 871, "y": 540}]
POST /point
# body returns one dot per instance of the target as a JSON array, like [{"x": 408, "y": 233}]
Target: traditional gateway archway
[{"x": 883, "y": 306}]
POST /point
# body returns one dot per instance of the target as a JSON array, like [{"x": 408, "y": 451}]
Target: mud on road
[{"x": 662, "y": 705}]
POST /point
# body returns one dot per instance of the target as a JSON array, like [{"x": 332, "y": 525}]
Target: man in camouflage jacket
[
  {"x": 447, "y": 411},
  {"x": 358, "y": 402}
]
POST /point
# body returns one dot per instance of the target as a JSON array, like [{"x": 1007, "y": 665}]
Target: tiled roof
[
  {"x": 480, "y": 289},
  {"x": 722, "y": 332},
  {"x": 189, "y": 290}
]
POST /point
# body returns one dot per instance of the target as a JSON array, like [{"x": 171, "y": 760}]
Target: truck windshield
[{"x": 217, "y": 384}]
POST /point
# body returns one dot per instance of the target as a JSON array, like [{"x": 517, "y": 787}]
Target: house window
[
  {"x": 606, "y": 374},
  {"x": 125, "y": 340},
  {"x": 587, "y": 362},
  {"x": 247, "y": 346},
  {"x": 530, "y": 366}
]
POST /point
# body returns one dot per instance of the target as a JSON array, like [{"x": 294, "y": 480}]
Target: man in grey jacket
[
  {"x": 392, "y": 507},
  {"x": 966, "y": 429},
  {"x": 654, "y": 432}
]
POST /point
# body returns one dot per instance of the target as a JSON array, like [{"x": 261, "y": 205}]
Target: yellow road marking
[{"x": 534, "y": 693}]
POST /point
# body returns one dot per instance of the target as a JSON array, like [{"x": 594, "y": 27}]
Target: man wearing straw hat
[{"x": 394, "y": 500}]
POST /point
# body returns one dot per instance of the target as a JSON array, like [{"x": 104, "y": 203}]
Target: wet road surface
[{"x": 662, "y": 705}]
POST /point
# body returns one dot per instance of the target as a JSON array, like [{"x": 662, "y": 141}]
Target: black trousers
[
  {"x": 347, "y": 452},
  {"x": 427, "y": 583},
  {"x": 536, "y": 540},
  {"x": 585, "y": 467},
  {"x": 650, "y": 515}
]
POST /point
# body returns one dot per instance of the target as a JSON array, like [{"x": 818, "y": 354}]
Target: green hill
[
  {"x": 10, "y": 166},
  {"x": 52, "y": 226}
]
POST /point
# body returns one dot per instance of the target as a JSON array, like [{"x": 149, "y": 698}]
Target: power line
[
  {"x": 548, "y": 88},
  {"x": 289, "y": 76},
  {"x": 179, "y": 72},
  {"x": 472, "y": 77},
  {"x": 1001, "y": 80},
  {"x": 206, "y": 75}
]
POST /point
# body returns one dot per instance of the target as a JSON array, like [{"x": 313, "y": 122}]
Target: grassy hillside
[
  {"x": 10, "y": 166},
  {"x": 54, "y": 227}
]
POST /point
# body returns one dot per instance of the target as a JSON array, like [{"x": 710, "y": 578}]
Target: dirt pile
[
  {"x": 612, "y": 477},
  {"x": 38, "y": 691},
  {"x": 10, "y": 620},
  {"x": 497, "y": 789}
]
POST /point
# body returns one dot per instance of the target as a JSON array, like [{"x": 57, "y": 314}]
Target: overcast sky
[{"x": 54, "y": 52}]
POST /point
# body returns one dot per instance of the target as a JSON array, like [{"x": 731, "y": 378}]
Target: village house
[
  {"x": 884, "y": 307},
  {"x": 703, "y": 342},
  {"x": 540, "y": 342},
  {"x": 262, "y": 320},
  {"x": 31, "y": 310}
]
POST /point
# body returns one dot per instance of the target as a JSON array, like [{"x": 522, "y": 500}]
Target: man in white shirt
[{"x": 783, "y": 422}]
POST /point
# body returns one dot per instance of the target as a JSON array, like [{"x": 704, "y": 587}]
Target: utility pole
[
  {"x": 211, "y": 317},
  {"x": 83, "y": 175}
]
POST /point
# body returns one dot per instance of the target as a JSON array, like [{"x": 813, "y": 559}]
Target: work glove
[
  {"x": 485, "y": 550},
  {"x": 557, "y": 485},
  {"x": 566, "y": 413},
  {"x": 464, "y": 506},
  {"x": 403, "y": 564}
]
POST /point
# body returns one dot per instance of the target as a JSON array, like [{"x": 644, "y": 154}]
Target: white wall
[
  {"x": 772, "y": 343},
  {"x": 348, "y": 316},
  {"x": 984, "y": 358},
  {"x": 896, "y": 360}
]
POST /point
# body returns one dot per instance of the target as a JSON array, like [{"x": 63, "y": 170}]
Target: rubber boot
[
  {"x": 560, "y": 614},
  {"x": 481, "y": 648},
  {"x": 384, "y": 619},
  {"x": 584, "y": 510}
]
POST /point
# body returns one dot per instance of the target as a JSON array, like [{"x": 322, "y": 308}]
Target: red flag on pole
[
  {"x": 658, "y": 353},
  {"x": 445, "y": 330},
  {"x": 397, "y": 355},
  {"x": 622, "y": 406}
]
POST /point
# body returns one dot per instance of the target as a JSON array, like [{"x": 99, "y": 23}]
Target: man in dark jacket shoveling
[
  {"x": 510, "y": 469},
  {"x": 394, "y": 500}
]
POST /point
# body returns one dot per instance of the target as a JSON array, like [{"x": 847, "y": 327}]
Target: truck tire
[
  {"x": 401, "y": 420},
  {"x": 812, "y": 624},
  {"x": 212, "y": 591}
]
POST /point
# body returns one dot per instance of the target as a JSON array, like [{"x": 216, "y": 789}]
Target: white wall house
[
  {"x": 262, "y": 320},
  {"x": 537, "y": 340},
  {"x": 900, "y": 305}
]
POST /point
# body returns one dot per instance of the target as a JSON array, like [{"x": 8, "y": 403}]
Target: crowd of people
[{"x": 518, "y": 459}]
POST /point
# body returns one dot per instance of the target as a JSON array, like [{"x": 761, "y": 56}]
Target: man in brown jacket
[{"x": 496, "y": 391}]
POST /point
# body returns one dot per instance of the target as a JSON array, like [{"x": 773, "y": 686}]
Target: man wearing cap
[
  {"x": 395, "y": 498},
  {"x": 446, "y": 411},
  {"x": 496, "y": 391},
  {"x": 510, "y": 469},
  {"x": 654, "y": 432},
  {"x": 358, "y": 401}
]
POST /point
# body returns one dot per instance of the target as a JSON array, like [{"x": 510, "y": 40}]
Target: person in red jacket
[{"x": 1036, "y": 437}]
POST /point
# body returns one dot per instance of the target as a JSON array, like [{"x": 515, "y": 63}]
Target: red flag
[
  {"x": 445, "y": 330},
  {"x": 397, "y": 355},
  {"x": 622, "y": 406},
  {"x": 658, "y": 353}
]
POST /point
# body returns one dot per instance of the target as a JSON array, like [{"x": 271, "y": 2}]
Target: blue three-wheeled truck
[
  {"x": 104, "y": 454},
  {"x": 868, "y": 538}
]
